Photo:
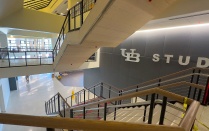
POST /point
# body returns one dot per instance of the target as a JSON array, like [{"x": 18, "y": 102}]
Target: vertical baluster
[
  {"x": 163, "y": 109},
  {"x": 55, "y": 105},
  {"x": 26, "y": 59},
  {"x": 158, "y": 86},
  {"x": 84, "y": 108},
  {"x": 94, "y": 92},
  {"x": 105, "y": 111},
  {"x": 109, "y": 91},
  {"x": 98, "y": 112},
  {"x": 152, "y": 103},
  {"x": 81, "y": 13},
  {"x": 8, "y": 58},
  {"x": 191, "y": 82},
  {"x": 69, "y": 17},
  {"x": 52, "y": 106},
  {"x": 136, "y": 91},
  {"x": 74, "y": 18},
  {"x": 115, "y": 111},
  {"x": 197, "y": 81},
  {"x": 101, "y": 91},
  {"x": 145, "y": 109},
  {"x": 58, "y": 99},
  {"x": 63, "y": 104}
]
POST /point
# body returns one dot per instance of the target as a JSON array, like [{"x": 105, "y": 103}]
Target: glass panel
[
  {"x": 33, "y": 58},
  {"x": 46, "y": 58},
  {"x": 17, "y": 58},
  {"x": 4, "y": 62}
]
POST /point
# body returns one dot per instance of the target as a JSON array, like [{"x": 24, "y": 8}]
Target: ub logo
[{"x": 130, "y": 56}]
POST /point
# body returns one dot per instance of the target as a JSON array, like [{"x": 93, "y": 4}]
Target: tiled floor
[{"x": 29, "y": 98}]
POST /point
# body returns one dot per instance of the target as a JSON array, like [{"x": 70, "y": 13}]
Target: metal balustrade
[
  {"x": 16, "y": 57},
  {"x": 97, "y": 102}
]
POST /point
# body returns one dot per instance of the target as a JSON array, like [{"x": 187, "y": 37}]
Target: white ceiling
[
  {"x": 181, "y": 20},
  {"x": 62, "y": 8},
  {"x": 8, "y": 7}
]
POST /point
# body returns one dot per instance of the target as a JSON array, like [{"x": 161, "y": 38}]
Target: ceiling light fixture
[{"x": 177, "y": 27}]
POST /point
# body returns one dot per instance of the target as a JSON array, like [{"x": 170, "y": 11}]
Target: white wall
[
  {"x": 4, "y": 93},
  {"x": 3, "y": 40}
]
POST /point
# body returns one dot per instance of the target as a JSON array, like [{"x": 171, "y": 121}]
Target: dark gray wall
[
  {"x": 193, "y": 41},
  {"x": 12, "y": 83}
]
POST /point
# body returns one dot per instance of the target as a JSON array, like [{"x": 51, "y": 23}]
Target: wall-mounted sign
[{"x": 133, "y": 56}]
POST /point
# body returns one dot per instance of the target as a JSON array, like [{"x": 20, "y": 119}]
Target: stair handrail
[
  {"x": 67, "y": 17},
  {"x": 188, "y": 121},
  {"x": 166, "y": 76},
  {"x": 143, "y": 103},
  {"x": 168, "y": 94},
  {"x": 79, "y": 124},
  {"x": 191, "y": 112},
  {"x": 116, "y": 90},
  {"x": 68, "y": 123}
]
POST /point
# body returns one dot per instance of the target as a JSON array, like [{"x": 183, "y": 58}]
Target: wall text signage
[{"x": 133, "y": 56}]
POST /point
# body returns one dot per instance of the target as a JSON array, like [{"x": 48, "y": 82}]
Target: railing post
[
  {"x": 158, "y": 86},
  {"x": 71, "y": 113},
  {"x": 109, "y": 91},
  {"x": 84, "y": 99},
  {"x": 74, "y": 19},
  {"x": 40, "y": 58},
  {"x": 145, "y": 109},
  {"x": 8, "y": 58},
  {"x": 53, "y": 56},
  {"x": 58, "y": 102},
  {"x": 198, "y": 76},
  {"x": 94, "y": 91},
  {"x": 63, "y": 32},
  {"x": 163, "y": 109},
  {"x": 101, "y": 91},
  {"x": 152, "y": 103},
  {"x": 52, "y": 106},
  {"x": 88, "y": 94},
  {"x": 115, "y": 111},
  {"x": 98, "y": 112},
  {"x": 136, "y": 91},
  {"x": 63, "y": 104},
  {"x": 105, "y": 111},
  {"x": 26, "y": 59},
  {"x": 191, "y": 82},
  {"x": 69, "y": 20},
  {"x": 81, "y": 12},
  {"x": 206, "y": 94},
  {"x": 45, "y": 107},
  {"x": 55, "y": 105}
]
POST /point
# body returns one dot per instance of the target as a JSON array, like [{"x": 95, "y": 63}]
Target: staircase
[
  {"x": 101, "y": 101},
  {"x": 108, "y": 108}
]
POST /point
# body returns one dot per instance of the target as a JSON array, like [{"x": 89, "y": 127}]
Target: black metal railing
[
  {"x": 73, "y": 21},
  {"x": 16, "y": 56},
  {"x": 19, "y": 58},
  {"x": 57, "y": 105},
  {"x": 142, "y": 112},
  {"x": 188, "y": 85}
]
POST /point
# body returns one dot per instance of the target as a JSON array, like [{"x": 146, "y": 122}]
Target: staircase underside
[{"x": 108, "y": 24}]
